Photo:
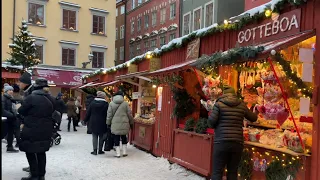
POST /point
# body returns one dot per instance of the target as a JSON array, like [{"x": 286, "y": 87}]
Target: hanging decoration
[{"x": 171, "y": 80}]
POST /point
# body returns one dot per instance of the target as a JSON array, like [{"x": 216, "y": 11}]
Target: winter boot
[
  {"x": 94, "y": 152},
  {"x": 117, "y": 152},
  {"x": 124, "y": 150},
  {"x": 30, "y": 177},
  {"x": 12, "y": 150},
  {"x": 100, "y": 152},
  {"x": 74, "y": 129},
  {"x": 26, "y": 169}
]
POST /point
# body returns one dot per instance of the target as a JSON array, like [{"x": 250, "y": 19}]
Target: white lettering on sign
[{"x": 269, "y": 29}]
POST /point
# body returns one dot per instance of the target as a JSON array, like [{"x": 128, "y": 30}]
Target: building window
[
  {"x": 146, "y": 21},
  {"x": 36, "y": 13},
  {"x": 132, "y": 27},
  {"x": 122, "y": 32},
  {"x": 172, "y": 36},
  {"x": 186, "y": 23},
  {"x": 138, "y": 49},
  {"x": 69, "y": 19},
  {"x": 208, "y": 14},
  {"x": 116, "y": 12},
  {"x": 39, "y": 52},
  {"x": 98, "y": 24},
  {"x": 122, "y": 9},
  {"x": 68, "y": 56},
  {"x": 163, "y": 15},
  {"x": 154, "y": 18},
  {"x": 98, "y": 59},
  {"x": 153, "y": 44},
  {"x": 139, "y": 25},
  {"x": 121, "y": 53},
  {"x": 172, "y": 10},
  {"x": 197, "y": 19},
  {"x": 139, "y": 2},
  {"x": 117, "y": 34},
  {"x": 131, "y": 48},
  {"x": 146, "y": 46},
  {"x": 133, "y": 4},
  {"x": 116, "y": 54},
  {"x": 162, "y": 40}
]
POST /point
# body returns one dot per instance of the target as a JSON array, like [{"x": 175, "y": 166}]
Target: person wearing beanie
[
  {"x": 37, "y": 110},
  {"x": 96, "y": 116},
  {"x": 121, "y": 120},
  {"x": 227, "y": 119},
  {"x": 60, "y": 107},
  {"x": 10, "y": 112}
]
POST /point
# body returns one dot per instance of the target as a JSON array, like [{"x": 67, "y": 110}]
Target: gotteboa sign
[{"x": 277, "y": 27}]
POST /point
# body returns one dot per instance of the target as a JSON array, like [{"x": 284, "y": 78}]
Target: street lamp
[{"x": 90, "y": 57}]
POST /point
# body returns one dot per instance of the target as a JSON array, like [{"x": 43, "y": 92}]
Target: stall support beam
[{"x": 315, "y": 158}]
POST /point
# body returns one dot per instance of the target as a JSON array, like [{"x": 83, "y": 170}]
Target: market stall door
[{"x": 164, "y": 123}]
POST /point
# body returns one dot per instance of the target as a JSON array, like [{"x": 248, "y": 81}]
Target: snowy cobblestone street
[{"x": 71, "y": 160}]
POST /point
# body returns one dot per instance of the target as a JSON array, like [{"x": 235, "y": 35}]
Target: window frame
[
  {"x": 138, "y": 49},
  {"x": 163, "y": 37},
  {"x": 154, "y": 19},
  {"x": 205, "y": 13},
  {"x": 155, "y": 44},
  {"x": 183, "y": 23},
  {"x": 101, "y": 13},
  {"x": 146, "y": 42},
  {"x": 41, "y": 42},
  {"x": 172, "y": 34},
  {"x": 139, "y": 3},
  {"x": 38, "y": 2},
  {"x": 133, "y": 4},
  {"x": 139, "y": 22},
  {"x": 162, "y": 21},
  {"x": 116, "y": 54},
  {"x": 69, "y": 7},
  {"x": 122, "y": 32},
  {"x": 146, "y": 23},
  {"x": 196, "y": 9},
  {"x": 175, "y": 11},
  {"x": 121, "y": 54},
  {"x": 124, "y": 9},
  {"x": 132, "y": 27},
  {"x": 100, "y": 49},
  {"x": 117, "y": 34}
]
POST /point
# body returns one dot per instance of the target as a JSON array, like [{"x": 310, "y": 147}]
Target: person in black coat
[
  {"x": 37, "y": 110},
  {"x": 60, "y": 107},
  {"x": 227, "y": 119},
  {"x": 96, "y": 117},
  {"x": 88, "y": 101},
  {"x": 9, "y": 108}
]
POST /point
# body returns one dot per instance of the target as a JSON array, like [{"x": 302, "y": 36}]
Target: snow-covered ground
[{"x": 71, "y": 160}]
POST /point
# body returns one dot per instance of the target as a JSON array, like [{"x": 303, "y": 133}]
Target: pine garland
[
  {"x": 171, "y": 80},
  {"x": 246, "y": 166},
  {"x": 185, "y": 104},
  {"x": 244, "y": 21},
  {"x": 279, "y": 170},
  {"x": 190, "y": 125},
  {"x": 202, "y": 126},
  {"x": 23, "y": 50}
]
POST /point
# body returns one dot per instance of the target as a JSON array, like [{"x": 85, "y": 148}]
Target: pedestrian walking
[
  {"x": 18, "y": 99},
  {"x": 26, "y": 86},
  {"x": 120, "y": 119},
  {"x": 79, "y": 106},
  {"x": 10, "y": 110},
  {"x": 60, "y": 107},
  {"x": 88, "y": 101},
  {"x": 37, "y": 110},
  {"x": 96, "y": 117},
  {"x": 227, "y": 119},
  {"x": 72, "y": 114}
]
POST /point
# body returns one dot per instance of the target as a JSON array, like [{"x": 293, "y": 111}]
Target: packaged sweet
[{"x": 255, "y": 134}]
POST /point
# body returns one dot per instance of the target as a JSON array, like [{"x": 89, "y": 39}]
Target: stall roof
[
  {"x": 176, "y": 67},
  {"x": 131, "y": 75}
]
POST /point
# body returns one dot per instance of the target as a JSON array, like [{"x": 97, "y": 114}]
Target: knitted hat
[
  {"x": 59, "y": 94},
  {"x": 101, "y": 94},
  {"x": 6, "y": 84},
  {"x": 41, "y": 83},
  {"x": 119, "y": 93},
  {"x": 7, "y": 88},
  {"x": 25, "y": 78},
  {"x": 228, "y": 89}
]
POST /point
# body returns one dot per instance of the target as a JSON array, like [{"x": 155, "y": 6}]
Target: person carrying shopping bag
[{"x": 121, "y": 120}]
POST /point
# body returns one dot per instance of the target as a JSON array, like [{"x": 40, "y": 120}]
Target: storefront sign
[
  {"x": 193, "y": 50},
  {"x": 159, "y": 93},
  {"x": 155, "y": 64},
  {"x": 136, "y": 95},
  {"x": 286, "y": 24}
]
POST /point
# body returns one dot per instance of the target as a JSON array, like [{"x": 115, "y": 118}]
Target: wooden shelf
[{"x": 273, "y": 148}]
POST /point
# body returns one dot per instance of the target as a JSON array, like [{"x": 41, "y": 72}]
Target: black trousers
[
  {"x": 97, "y": 139},
  {"x": 226, "y": 154},
  {"x": 59, "y": 123},
  {"x": 11, "y": 128},
  {"x": 37, "y": 163},
  {"x": 117, "y": 138},
  {"x": 73, "y": 119},
  {"x": 17, "y": 130}
]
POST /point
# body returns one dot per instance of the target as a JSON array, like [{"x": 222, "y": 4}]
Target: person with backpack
[{"x": 120, "y": 119}]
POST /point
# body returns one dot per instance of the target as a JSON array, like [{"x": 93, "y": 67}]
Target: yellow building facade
[{"x": 65, "y": 31}]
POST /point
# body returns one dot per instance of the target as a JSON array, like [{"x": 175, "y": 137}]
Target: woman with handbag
[
  {"x": 120, "y": 119},
  {"x": 72, "y": 114}
]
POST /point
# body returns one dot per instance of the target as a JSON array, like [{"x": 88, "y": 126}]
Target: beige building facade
[{"x": 65, "y": 31}]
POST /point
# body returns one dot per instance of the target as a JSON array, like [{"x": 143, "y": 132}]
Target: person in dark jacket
[
  {"x": 72, "y": 114},
  {"x": 96, "y": 116},
  {"x": 60, "y": 107},
  {"x": 227, "y": 120},
  {"x": 18, "y": 99},
  {"x": 10, "y": 110},
  {"x": 37, "y": 110},
  {"x": 88, "y": 101}
]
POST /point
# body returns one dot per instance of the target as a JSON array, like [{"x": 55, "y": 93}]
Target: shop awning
[
  {"x": 173, "y": 68},
  {"x": 59, "y": 78},
  {"x": 286, "y": 42},
  {"x": 127, "y": 77},
  {"x": 10, "y": 75},
  {"x": 111, "y": 83}
]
